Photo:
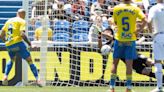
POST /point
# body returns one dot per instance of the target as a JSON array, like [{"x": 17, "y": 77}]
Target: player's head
[
  {"x": 110, "y": 30},
  {"x": 127, "y": 1},
  {"x": 21, "y": 13},
  {"x": 160, "y": 1}
]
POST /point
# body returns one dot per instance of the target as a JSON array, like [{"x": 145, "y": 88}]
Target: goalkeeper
[{"x": 141, "y": 65}]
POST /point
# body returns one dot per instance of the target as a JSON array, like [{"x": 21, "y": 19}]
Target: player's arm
[
  {"x": 143, "y": 24},
  {"x": 2, "y": 36},
  {"x": 143, "y": 18},
  {"x": 108, "y": 35},
  {"x": 99, "y": 40},
  {"x": 23, "y": 34},
  {"x": 149, "y": 62},
  {"x": 150, "y": 27},
  {"x": 25, "y": 38},
  {"x": 33, "y": 12},
  {"x": 142, "y": 39},
  {"x": 150, "y": 19}
]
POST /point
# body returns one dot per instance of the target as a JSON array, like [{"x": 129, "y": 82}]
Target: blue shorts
[
  {"x": 18, "y": 48},
  {"x": 126, "y": 50}
]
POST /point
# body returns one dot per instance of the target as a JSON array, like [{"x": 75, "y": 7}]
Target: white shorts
[{"x": 158, "y": 47}]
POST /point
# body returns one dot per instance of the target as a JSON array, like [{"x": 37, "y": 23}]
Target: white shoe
[
  {"x": 110, "y": 90},
  {"x": 157, "y": 90},
  {"x": 5, "y": 81},
  {"x": 38, "y": 83}
]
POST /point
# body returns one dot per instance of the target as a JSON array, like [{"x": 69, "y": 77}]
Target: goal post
[
  {"x": 24, "y": 63},
  {"x": 43, "y": 50}
]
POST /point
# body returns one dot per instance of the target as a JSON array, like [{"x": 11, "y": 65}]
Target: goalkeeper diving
[{"x": 141, "y": 65}]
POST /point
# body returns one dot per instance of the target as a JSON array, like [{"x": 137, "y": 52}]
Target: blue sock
[
  {"x": 34, "y": 70},
  {"x": 8, "y": 67},
  {"x": 112, "y": 80},
  {"x": 112, "y": 83},
  {"x": 129, "y": 81},
  {"x": 129, "y": 84}
]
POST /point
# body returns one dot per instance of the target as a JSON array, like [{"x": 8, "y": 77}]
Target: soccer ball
[{"x": 105, "y": 49}]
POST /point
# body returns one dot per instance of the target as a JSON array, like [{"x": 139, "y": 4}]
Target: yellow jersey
[
  {"x": 38, "y": 33},
  {"x": 125, "y": 16},
  {"x": 137, "y": 0},
  {"x": 13, "y": 28}
]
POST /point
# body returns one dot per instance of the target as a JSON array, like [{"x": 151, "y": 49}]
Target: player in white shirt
[{"x": 156, "y": 22}]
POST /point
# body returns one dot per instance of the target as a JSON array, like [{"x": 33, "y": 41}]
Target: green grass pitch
[{"x": 69, "y": 89}]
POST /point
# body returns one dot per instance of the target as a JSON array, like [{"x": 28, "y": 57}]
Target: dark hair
[{"x": 110, "y": 29}]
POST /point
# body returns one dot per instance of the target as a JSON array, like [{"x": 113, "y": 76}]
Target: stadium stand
[
  {"x": 80, "y": 37},
  {"x": 61, "y": 26},
  {"x": 8, "y": 9},
  {"x": 61, "y": 37},
  {"x": 80, "y": 26}
]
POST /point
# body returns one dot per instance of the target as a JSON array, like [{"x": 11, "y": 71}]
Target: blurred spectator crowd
[{"x": 73, "y": 20}]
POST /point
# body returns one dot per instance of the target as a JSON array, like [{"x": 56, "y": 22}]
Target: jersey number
[
  {"x": 125, "y": 24},
  {"x": 9, "y": 33}
]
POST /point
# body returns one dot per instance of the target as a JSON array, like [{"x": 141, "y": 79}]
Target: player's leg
[
  {"x": 7, "y": 71},
  {"x": 32, "y": 67},
  {"x": 158, "y": 51},
  {"x": 113, "y": 73},
  {"x": 158, "y": 74},
  {"x": 129, "y": 64},
  {"x": 25, "y": 54},
  {"x": 118, "y": 51},
  {"x": 34, "y": 70},
  {"x": 146, "y": 70},
  {"x": 130, "y": 55},
  {"x": 9, "y": 64}
]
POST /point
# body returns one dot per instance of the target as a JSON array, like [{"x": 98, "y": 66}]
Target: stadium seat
[
  {"x": 8, "y": 9},
  {"x": 93, "y": 1},
  {"x": 80, "y": 37},
  {"x": 1, "y": 41},
  {"x": 1, "y": 25},
  {"x": 61, "y": 37},
  {"x": 61, "y": 26},
  {"x": 10, "y": 3},
  {"x": 7, "y": 14},
  {"x": 80, "y": 26},
  {"x": 105, "y": 24},
  {"x": 31, "y": 35},
  {"x": 3, "y": 20},
  {"x": 39, "y": 24}
]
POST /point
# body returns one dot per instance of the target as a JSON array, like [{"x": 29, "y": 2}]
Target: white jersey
[{"x": 156, "y": 15}]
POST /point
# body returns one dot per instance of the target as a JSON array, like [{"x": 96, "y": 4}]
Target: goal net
[{"x": 62, "y": 51}]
